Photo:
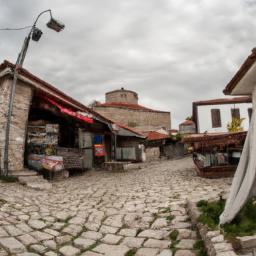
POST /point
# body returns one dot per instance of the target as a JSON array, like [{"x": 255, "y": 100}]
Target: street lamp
[{"x": 35, "y": 33}]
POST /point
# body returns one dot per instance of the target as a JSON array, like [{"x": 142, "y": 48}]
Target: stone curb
[{"x": 214, "y": 241}]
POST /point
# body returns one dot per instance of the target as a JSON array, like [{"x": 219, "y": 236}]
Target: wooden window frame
[
  {"x": 216, "y": 118},
  {"x": 249, "y": 113}
]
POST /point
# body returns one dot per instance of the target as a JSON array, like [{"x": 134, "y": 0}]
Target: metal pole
[{"x": 18, "y": 65}]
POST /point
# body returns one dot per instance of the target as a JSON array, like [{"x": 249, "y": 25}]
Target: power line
[{"x": 1, "y": 29}]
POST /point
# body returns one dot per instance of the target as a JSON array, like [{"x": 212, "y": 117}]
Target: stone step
[
  {"x": 26, "y": 179},
  {"x": 24, "y": 173},
  {"x": 31, "y": 179},
  {"x": 39, "y": 185}
]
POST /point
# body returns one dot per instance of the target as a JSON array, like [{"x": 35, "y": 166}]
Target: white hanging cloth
[{"x": 244, "y": 181}]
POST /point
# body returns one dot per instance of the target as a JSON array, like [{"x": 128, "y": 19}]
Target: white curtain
[{"x": 244, "y": 181}]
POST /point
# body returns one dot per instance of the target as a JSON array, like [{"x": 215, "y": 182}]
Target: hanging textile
[
  {"x": 244, "y": 181},
  {"x": 98, "y": 139},
  {"x": 69, "y": 112}
]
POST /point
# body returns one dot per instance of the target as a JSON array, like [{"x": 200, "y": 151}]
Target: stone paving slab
[{"x": 106, "y": 213}]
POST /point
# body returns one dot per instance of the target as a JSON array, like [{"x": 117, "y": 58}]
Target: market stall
[
  {"x": 216, "y": 155},
  {"x": 60, "y": 139}
]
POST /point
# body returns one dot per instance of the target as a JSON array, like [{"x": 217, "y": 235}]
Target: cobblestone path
[{"x": 106, "y": 213}]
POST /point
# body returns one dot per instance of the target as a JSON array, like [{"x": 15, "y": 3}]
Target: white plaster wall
[{"x": 205, "y": 118}]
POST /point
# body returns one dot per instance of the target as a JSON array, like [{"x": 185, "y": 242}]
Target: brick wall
[
  {"x": 138, "y": 119},
  {"x": 22, "y": 101}
]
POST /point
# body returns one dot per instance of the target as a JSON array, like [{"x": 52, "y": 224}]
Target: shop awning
[{"x": 78, "y": 115}]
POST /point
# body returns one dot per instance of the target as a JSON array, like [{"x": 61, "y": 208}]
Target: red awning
[{"x": 70, "y": 112}]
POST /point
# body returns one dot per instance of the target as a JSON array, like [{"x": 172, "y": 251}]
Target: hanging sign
[
  {"x": 99, "y": 150},
  {"x": 70, "y": 112}
]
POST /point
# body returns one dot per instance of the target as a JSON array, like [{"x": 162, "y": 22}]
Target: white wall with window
[{"x": 214, "y": 118}]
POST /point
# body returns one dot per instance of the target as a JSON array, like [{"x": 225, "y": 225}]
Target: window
[
  {"x": 250, "y": 113},
  {"x": 216, "y": 120},
  {"x": 235, "y": 113}
]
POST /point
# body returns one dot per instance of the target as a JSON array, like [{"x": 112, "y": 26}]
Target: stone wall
[
  {"x": 214, "y": 241},
  {"x": 174, "y": 150},
  {"x": 141, "y": 120},
  {"x": 187, "y": 129},
  {"x": 21, "y": 107},
  {"x": 152, "y": 154},
  {"x": 122, "y": 96}
]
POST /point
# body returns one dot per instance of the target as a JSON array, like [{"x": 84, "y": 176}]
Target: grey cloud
[{"x": 170, "y": 52}]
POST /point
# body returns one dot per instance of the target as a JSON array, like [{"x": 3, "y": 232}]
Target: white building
[{"x": 214, "y": 115}]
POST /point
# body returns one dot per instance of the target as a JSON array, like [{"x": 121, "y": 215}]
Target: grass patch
[
  {"x": 173, "y": 246},
  {"x": 244, "y": 223},
  {"x": 210, "y": 212},
  {"x": 174, "y": 235},
  {"x": 165, "y": 210},
  {"x": 2, "y": 201},
  {"x": 8, "y": 179},
  {"x": 131, "y": 252},
  {"x": 199, "y": 248},
  {"x": 138, "y": 231},
  {"x": 170, "y": 218},
  {"x": 91, "y": 247}
]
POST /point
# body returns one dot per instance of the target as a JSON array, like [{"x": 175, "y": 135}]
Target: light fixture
[
  {"x": 36, "y": 34},
  {"x": 55, "y": 25}
]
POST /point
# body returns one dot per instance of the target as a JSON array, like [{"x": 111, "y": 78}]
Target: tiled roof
[
  {"x": 156, "y": 136},
  {"x": 60, "y": 96},
  {"x": 127, "y": 106},
  {"x": 187, "y": 122}
]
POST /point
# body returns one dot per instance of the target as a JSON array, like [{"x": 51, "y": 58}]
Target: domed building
[{"x": 122, "y": 106}]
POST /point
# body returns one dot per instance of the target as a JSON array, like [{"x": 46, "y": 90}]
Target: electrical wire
[{"x": 1, "y": 29}]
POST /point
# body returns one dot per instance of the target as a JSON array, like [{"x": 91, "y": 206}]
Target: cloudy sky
[{"x": 172, "y": 52}]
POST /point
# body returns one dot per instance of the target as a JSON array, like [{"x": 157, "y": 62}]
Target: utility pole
[{"x": 35, "y": 33}]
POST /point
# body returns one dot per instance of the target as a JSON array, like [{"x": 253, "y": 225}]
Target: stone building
[
  {"x": 122, "y": 106},
  {"x": 187, "y": 127},
  {"x": 79, "y": 134}
]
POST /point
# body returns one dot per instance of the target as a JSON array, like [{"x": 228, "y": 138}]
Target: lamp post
[{"x": 35, "y": 33}]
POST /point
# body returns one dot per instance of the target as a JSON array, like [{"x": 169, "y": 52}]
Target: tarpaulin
[{"x": 70, "y": 112}]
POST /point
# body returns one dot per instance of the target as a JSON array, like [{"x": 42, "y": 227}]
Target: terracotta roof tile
[
  {"x": 156, "y": 136},
  {"x": 187, "y": 122},
  {"x": 63, "y": 96}
]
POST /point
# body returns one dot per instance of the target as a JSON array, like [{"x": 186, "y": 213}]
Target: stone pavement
[{"x": 106, "y": 213}]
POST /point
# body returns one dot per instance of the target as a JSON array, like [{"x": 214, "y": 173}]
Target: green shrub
[
  {"x": 244, "y": 223},
  {"x": 211, "y": 212},
  {"x": 199, "y": 248},
  {"x": 8, "y": 179}
]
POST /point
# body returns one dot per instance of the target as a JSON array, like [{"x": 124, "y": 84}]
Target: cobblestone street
[{"x": 106, "y": 213}]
